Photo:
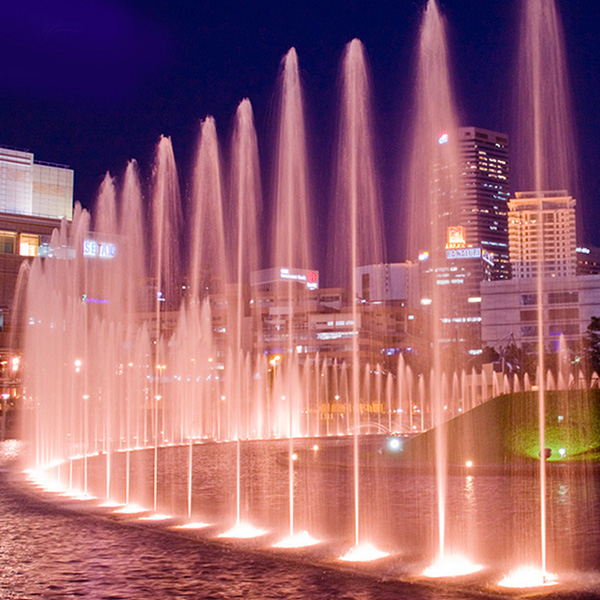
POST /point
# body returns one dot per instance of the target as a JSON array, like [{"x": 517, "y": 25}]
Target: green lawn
[{"x": 506, "y": 429}]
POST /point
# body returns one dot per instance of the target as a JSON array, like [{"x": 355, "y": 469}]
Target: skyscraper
[
  {"x": 473, "y": 240},
  {"x": 482, "y": 204},
  {"x": 542, "y": 229}
]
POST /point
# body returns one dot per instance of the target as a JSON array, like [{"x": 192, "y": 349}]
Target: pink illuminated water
[
  {"x": 432, "y": 190},
  {"x": 152, "y": 345},
  {"x": 546, "y": 154},
  {"x": 357, "y": 210}
]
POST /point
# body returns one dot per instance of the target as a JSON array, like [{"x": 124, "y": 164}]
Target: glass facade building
[
  {"x": 484, "y": 196},
  {"x": 29, "y": 187}
]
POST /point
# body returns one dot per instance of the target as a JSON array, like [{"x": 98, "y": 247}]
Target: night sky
[{"x": 93, "y": 83}]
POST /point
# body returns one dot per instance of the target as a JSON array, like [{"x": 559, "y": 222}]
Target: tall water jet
[
  {"x": 166, "y": 222},
  {"x": 432, "y": 190},
  {"x": 246, "y": 206},
  {"x": 131, "y": 234},
  {"x": 546, "y": 161},
  {"x": 208, "y": 269},
  {"x": 208, "y": 277},
  {"x": 358, "y": 222},
  {"x": 134, "y": 275},
  {"x": 291, "y": 234},
  {"x": 104, "y": 285}
]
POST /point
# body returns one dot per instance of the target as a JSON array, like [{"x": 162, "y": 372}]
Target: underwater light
[
  {"x": 528, "y": 577},
  {"x": 452, "y": 566},
  {"x": 130, "y": 509},
  {"x": 243, "y": 531},
  {"x": 298, "y": 540},
  {"x": 192, "y": 525},
  {"x": 363, "y": 553},
  {"x": 110, "y": 504},
  {"x": 156, "y": 517}
]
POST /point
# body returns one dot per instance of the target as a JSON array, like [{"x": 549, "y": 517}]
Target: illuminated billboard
[
  {"x": 456, "y": 237},
  {"x": 463, "y": 253},
  {"x": 94, "y": 249},
  {"x": 309, "y": 277}
]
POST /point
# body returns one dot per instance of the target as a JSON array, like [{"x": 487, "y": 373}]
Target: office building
[
  {"x": 30, "y": 187},
  {"x": 542, "y": 231},
  {"x": 34, "y": 198},
  {"x": 588, "y": 260},
  {"x": 389, "y": 282},
  {"x": 473, "y": 237},
  {"x": 484, "y": 194},
  {"x": 510, "y": 310}
]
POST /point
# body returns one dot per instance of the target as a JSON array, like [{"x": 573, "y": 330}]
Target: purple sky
[{"x": 92, "y": 84}]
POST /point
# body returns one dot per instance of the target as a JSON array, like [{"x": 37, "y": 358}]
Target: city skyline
[{"x": 94, "y": 87}]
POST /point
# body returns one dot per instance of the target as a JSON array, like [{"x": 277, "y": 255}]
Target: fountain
[
  {"x": 170, "y": 375},
  {"x": 433, "y": 186},
  {"x": 359, "y": 239}
]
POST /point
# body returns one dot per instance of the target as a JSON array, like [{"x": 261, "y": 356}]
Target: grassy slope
[{"x": 505, "y": 429}]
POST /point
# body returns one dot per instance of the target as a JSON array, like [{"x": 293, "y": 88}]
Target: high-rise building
[
  {"x": 483, "y": 200},
  {"x": 542, "y": 231},
  {"x": 30, "y": 187},
  {"x": 472, "y": 244}
]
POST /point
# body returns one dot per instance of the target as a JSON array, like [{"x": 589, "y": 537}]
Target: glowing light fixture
[
  {"x": 528, "y": 577},
  {"x": 363, "y": 553},
  {"x": 451, "y": 566},
  {"x": 156, "y": 517},
  {"x": 394, "y": 444},
  {"x": 191, "y": 525},
  {"x": 130, "y": 509},
  {"x": 243, "y": 531},
  {"x": 298, "y": 540},
  {"x": 110, "y": 504}
]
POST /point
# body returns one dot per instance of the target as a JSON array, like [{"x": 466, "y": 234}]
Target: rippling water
[{"x": 55, "y": 548}]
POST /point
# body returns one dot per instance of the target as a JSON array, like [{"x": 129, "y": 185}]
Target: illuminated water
[
  {"x": 58, "y": 547},
  {"x": 144, "y": 387}
]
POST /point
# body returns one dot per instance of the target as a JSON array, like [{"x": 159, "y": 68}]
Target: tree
[{"x": 591, "y": 344}]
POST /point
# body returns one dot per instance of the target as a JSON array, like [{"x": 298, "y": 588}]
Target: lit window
[
  {"x": 7, "y": 242},
  {"x": 28, "y": 244}
]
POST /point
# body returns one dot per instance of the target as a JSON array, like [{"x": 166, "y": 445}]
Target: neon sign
[
  {"x": 456, "y": 237},
  {"x": 94, "y": 249},
  {"x": 310, "y": 278}
]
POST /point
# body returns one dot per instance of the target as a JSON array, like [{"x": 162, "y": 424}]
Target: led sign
[
  {"x": 456, "y": 237},
  {"x": 94, "y": 249},
  {"x": 310, "y": 278},
  {"x": 460, "y": 253}
]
